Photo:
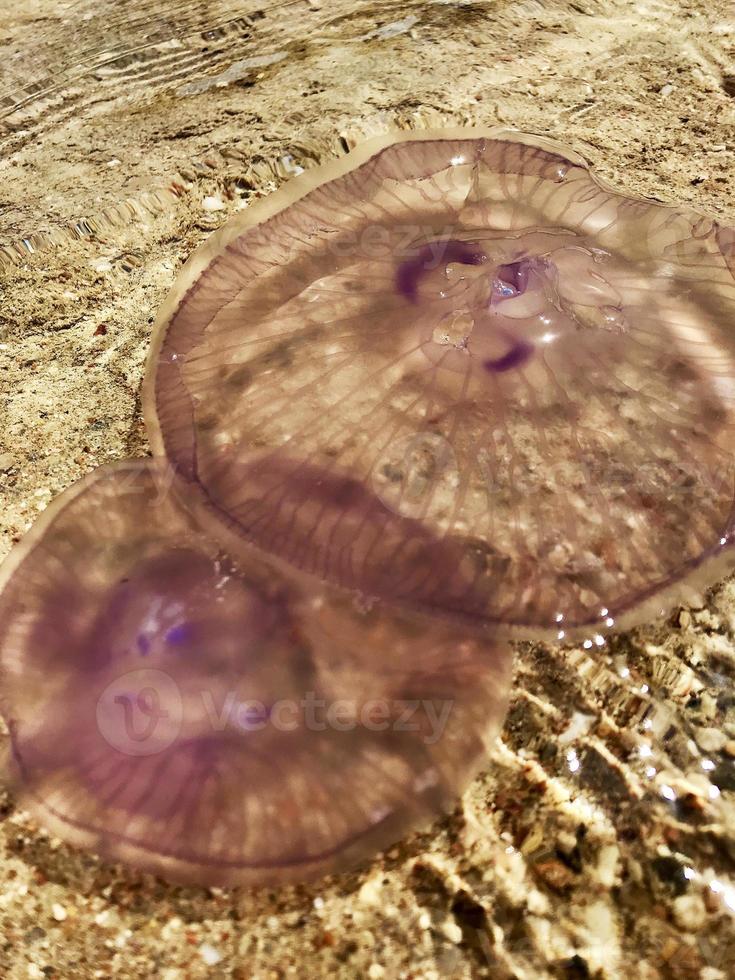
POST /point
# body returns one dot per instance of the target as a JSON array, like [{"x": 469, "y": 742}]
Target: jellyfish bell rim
[
  {"x": 658, "y": 602},
  {"x": 138, "y": 858}
]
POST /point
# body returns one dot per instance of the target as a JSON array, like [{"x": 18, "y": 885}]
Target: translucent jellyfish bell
[
  {"x": 221, "y": 721},
  {"x": 521, "y": 362}
]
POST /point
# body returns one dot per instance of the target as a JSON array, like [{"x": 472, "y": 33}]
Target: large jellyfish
[{"x": 511, "y": 356}]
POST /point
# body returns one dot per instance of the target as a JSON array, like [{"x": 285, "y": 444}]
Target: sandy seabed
[{"x": 595, "y": 844}]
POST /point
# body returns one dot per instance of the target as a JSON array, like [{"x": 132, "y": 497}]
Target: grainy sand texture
[{"x": 600, "y": 840}]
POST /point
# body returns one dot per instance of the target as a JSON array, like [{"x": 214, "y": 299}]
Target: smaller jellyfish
[{"x": 220, "y": 721}]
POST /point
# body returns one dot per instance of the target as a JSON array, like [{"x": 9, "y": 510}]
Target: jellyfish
[
  {"x": 507, "y": 354},
  {"x": 223, "y": 720}
]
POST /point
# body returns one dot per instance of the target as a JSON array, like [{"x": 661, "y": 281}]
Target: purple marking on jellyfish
[
  {"x": 178, "y": 634},
  {"x": 517, "y": 355},
  {"x": 144, "y": 645},
  {"x": 429, "y": 256}
]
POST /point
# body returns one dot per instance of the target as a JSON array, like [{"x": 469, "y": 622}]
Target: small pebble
[
  {"x": 171, "y": 927},
  {"x": 370, "y": 892},
  {"x": 711, "y": 739},
  {"x": 555, "y": 874},
  {"x": 58, "y": 912},
  {"x": 209, "y": 954},
  {"x": 7, "y": 462},
  {"x": 452, "y": 931},
  {"x": 689, "y": 912},
  {"x": 376, "y": 971},
  {"x": 213, "y": 204}
]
